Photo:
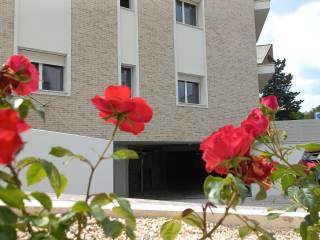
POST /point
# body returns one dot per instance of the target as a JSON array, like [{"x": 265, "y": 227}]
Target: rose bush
[
  {"x": 234, "y": 153},
  {"x": 18, "y": 79},
  {"x": 254, "y": 153}
]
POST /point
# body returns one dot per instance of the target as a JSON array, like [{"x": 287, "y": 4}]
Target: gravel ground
[{"x": 149, "y": 229}]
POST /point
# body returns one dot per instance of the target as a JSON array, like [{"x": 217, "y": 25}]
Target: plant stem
[
  {"x": 226, "y": 213},
  {"x": 94, "y": 168},
  {"x": 19, "y": 184}
]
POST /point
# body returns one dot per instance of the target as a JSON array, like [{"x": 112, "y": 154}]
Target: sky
[{"x": 293, "y": 27}]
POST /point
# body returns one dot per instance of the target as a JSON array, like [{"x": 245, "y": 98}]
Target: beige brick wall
[
  {"x": 6, "y": 29},
  {"x": 231, "y": 59},
  {"x": 94, "y": 65},
  {"x": 232, "y": 69}
]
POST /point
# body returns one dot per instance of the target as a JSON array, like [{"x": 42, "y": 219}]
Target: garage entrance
[{"x": 165, "y": 172}]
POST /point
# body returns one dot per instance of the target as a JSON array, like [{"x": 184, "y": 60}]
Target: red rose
[
  {"x": 10, "y": 140},
  {"x": 309, "y": 166},
  {"x": 256, "y": 123},
  {"x": 270, "y": 102},
  {"x": 117, "y": 105},
  {"x": 258, "y": 169},
  {"x": 20, "y": 76},
  {"x": 227, "y": 143}
]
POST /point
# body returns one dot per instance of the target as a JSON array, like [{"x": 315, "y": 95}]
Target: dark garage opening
[{"x": 166, "y": 172}]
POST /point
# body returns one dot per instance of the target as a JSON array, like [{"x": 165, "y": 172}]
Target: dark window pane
[
  {"x": 178, "y": 11},
  {"x": 52, "y": 77},
  {"x": 193, "y": 92},
  {"x": 181, "y": 92},
  {"x": 125, "y": 3},
  {"x": 190, "y": 14},
  {"x": 36, "y": 65},
  {"x": 126, "y": 77}
]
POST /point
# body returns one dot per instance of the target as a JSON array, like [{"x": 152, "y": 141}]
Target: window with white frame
[
  {"x": 189, "y": 89},
  {"x": 186, "y": 13},
  {"x": 51, "y": 69},
  {"x": 126, "y": 76}
]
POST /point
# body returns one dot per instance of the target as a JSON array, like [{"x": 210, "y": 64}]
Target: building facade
[{"x": 194, "y": 61}]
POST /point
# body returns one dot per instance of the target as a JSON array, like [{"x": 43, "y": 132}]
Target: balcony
[
  {"x": 265, "y": 64},
  {"x": 262, "y": 8}
]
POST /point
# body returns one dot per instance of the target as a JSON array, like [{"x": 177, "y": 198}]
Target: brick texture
[{"x": 231, "y": 60}]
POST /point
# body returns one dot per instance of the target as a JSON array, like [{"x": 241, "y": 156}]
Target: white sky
[{"x": 295, "y": 34}]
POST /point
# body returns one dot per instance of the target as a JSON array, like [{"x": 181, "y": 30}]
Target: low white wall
[{"x": 39, "y": 143}]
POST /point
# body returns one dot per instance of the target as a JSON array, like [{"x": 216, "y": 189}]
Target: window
[
  {"x": 188, "y": 92},
  {"x": 186, "y": 13},
  {"x": 126, "y": 76},
  {"x": 50, "y": 77},
  {"x": 125, "y": 3}
]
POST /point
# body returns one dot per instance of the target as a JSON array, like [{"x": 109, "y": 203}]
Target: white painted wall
[
  {"x": 128, "y": 36},
  {"x": 39, "y": 143},
  {"x": 43, "y": 25},
  {"x": 190, "y": 50}
]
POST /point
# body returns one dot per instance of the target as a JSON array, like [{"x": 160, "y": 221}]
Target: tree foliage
[{"x": 280, "y": 86}]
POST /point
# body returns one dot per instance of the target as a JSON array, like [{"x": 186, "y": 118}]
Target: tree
[
  {"x": 311, "y": 113},
  {"x": 280, "y": 86}
]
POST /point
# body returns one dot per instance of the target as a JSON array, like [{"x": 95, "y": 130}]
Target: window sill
[
  {"x": 127, "y": 9},
  {"x": 204, "y": 106},
  {"x": 190, "y": 26},
  {"x": 53, "y": 93}
]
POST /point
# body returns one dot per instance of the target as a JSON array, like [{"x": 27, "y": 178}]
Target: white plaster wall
[
  {"x": 43, "y": 25},
  {"x": 128, "y": 37},
  {"x": 190, "y": 50},
  {"x": 39, "y": 143}
]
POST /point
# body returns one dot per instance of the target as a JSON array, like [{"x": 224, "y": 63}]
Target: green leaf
[
  {"x": 35, "y": 173},
  {"x": 241, "y": 187},
  {"x": 64, "y": 183},
  {"x": 101, "y": 200},
  {"x": 130, "y": 233},
  {"x": 212, "y": 188},
  {"x": 6, "y": 177},
  {"x": 287, "y": 181},
  {"x": 12, "y": 197},
  {"x": 7, "y": 233},
  {"x": 43, "y": 199},
  {"x": 303, "y": 230},
  {"x": 26, "y": 162},
  {"x": 112, "y": 229},
  {"x": 54, "y": 177},
  {"x": 170, "y": 230},
  {"x": 307, "y": 198},
  {"x": 127, "y": 216},
  {"x": 97, "y": 213},
  {"x": 40, "y": 221},
  {"x": 7, "y": 216},
  {"x": 192, "y": 218},
  {"x": 60, "y": 152},
  {"x": 310, "y": 147},
  {"x": 39, "y": 110},
  {"x": 262, "y": 194},
  {"x": 23, "y": 108},
  {"x": 125, "y": 154},
  {"x": 312, "y": 234},
  {"x": 80, "y": 206},
  {"x": 66, "y": 217},
  {"x": 124, "y": 204},
  {"x": 244, "y": 231}
]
